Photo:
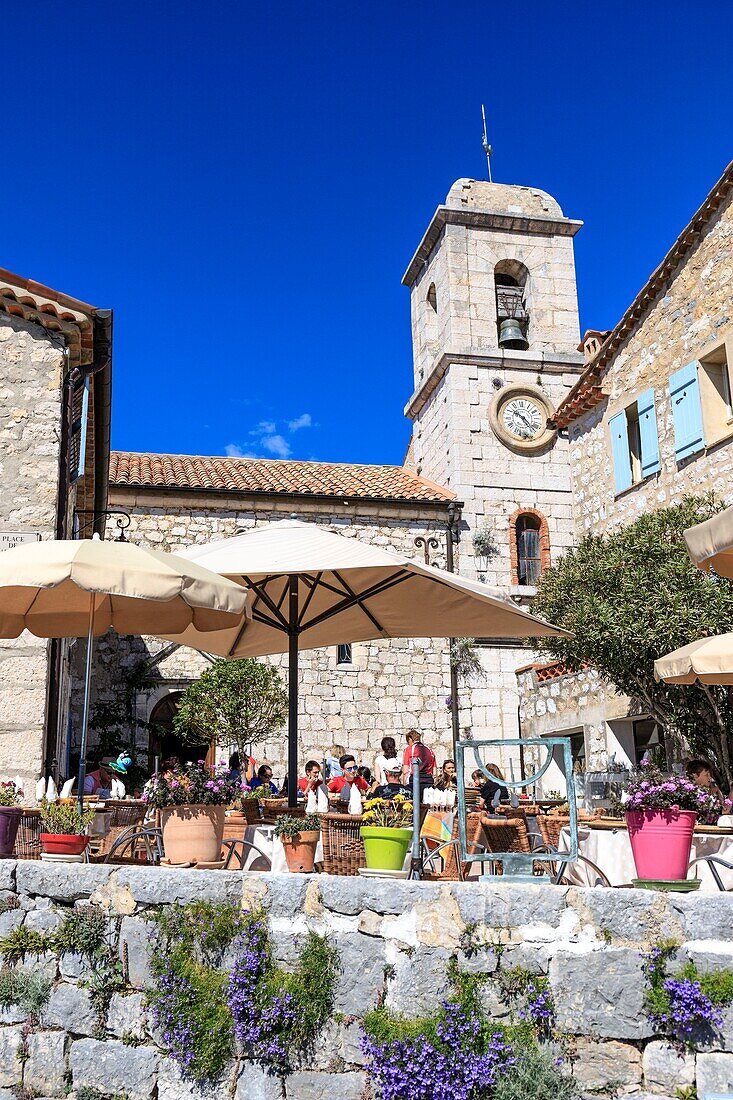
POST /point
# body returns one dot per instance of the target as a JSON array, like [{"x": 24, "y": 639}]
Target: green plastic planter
[{"x": 385, "y": 848}]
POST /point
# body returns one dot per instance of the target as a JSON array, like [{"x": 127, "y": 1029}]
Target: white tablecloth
[
  {"x": 610, "y": 850},
  {"x": 263, "y": 838}
]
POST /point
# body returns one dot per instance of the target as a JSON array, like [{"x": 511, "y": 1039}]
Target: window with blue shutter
[
  {"x": 620, "y": 451},
  {"x": 78, "y": 433},
  {"x": 648, "y": 434},
  {"x": 684, "y": 393}
]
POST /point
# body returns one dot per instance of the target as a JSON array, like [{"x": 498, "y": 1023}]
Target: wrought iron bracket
[{"x": 121, "y": 523}]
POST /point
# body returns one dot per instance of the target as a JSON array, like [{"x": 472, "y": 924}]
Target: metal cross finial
[{"x": 487, "y": 148}]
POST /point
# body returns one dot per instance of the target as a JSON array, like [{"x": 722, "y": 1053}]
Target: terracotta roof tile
[{"x": 204, "y": 473}]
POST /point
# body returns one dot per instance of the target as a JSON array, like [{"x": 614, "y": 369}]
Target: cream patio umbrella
[
  {"x": 705, "y": 661},
  {"x": 313, "y": 588},
  {"x": 710, "y": 544},
  {"x": 68, "y": 589}
]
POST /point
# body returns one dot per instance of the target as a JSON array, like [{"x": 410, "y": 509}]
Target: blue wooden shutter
[
  {"x": 648, "y": 434},
  {"x": 684, "y": 393},
  {"x": 78, "y": 433},
  {"x": 620, "y": 449}
]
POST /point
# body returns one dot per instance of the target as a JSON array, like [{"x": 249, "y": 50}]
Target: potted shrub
[
  {"x": 252, "y": 805},
  {"x": 661, "y": 812},
  {"x": 191, "y": 801},
  {"x": 64, "y": 828},
  {"x": 10, "y": 812},
  {"x": 386, "y": 832},
  {"x": 299, "y": 836}
]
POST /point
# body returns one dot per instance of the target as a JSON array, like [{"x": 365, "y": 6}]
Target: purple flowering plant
[
  {"x": 685, "y": 1006},
  {"x": 648, "y": 788},
  {"x": 193, "y": 785},
  {"x": 219, "y": 991}
]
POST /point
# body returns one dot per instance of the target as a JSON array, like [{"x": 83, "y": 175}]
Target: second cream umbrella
[
  {"x": 705, "y": 661},
  {"x": 311, "y": 587},
  {"x": 710, "y": 544},
  {"x": 72, "y": 588}
]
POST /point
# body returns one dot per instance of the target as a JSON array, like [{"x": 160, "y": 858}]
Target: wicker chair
[
  {"x": 125, "y": 817},
  {"x": 551, "y": 827},
  {"x": 343, "y": 848},
  {"x": 28, "y": 840},
  {"x": 454, "y": 869}
]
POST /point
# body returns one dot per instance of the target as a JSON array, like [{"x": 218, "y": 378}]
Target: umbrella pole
[
  {"x": 85, "y": 712},
  {"x": 293, "y": 692}
]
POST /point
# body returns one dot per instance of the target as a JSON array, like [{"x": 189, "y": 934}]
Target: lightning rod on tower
[{"x": 487, "y": 148}]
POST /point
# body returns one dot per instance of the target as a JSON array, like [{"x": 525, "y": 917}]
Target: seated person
[
  {"x": 488, "y": 787},
  {"x": 700, "y": 772},
  {"x": 392, "y": 785},
  {"x": 448, "y": 780},
  {"x": 311, "y": 781},
  {"x": 341, "y": 785},
  {"x": 99, "y": 781},
  {"x": 264, "y": 779}
]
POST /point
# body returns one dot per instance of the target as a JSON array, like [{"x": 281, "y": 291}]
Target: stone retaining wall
[{"x": 394, "y": 939}]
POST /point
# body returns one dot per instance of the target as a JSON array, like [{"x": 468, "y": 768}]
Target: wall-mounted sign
[{"x": 9, "y": 539}]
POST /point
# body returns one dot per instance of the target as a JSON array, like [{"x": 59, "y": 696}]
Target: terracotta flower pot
[
  {"x": 661, "y": 842},
  {"x": 63, "y": 845},
  {"x": 192, "y": 834},
  {"x": 300, "y": 851},
  {"x": 9, "y": 822}
]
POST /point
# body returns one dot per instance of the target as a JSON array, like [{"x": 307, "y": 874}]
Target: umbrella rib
[
  {"x": 261, "y": 594},
  {"x": 311, "y": 593},
  {"x": 375, "y": 590},
  {"x": 358, "y": 599}
]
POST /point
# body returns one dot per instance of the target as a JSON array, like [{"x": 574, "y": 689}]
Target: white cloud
[
  {"x": 304, "y": 421},
  {"x": 233, "y": 450},
  {"x": 265, "y": 427},
  {"x": 276, "y": 445}
]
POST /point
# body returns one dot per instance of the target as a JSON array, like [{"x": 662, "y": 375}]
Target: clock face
[{"x": 523, "y": 418}]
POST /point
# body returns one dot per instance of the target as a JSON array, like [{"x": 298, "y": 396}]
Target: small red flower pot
[{"x": 58, "y": 844}]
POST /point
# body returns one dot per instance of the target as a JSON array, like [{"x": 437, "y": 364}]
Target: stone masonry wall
[
  {"x": 394, "y": 941},
  {"x": 31, "y": 373},
  {"x": 695, "y": 313},
  {"x": 392, "y": 685}
]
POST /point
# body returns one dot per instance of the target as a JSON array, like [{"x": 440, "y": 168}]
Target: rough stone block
[
  {"x": 714, "y": 1073},
  {"x": 172, "y": 1086},
  {"x": 60, "y": 881},
  {"x": 127, "y": 1015},
  {"x": 254, "y": 1084},
  {"x": 41, "y": 920},
  {"x": 135, "y": 948},
  {"x": 600, "y": 1065},
  {"x": 154, "y": 885},
  {"x": 285, "y": 894},
  {"x": 10, "y": 1067},
  {"x": 319, "y": 1086},
  {"x": 666, "y": 1068},
  {"x": 600, "y": 993},
  {"x": 385, "y": 896},
  {"x": 420, "y": 981},
  {"x": 45, "y": 1071},
  {"x": 704, "y": 916},
  {"x": 7, "y": 873},
  {"x": 626, "y": 914},
  {"x": 10, "y": 920},
  {"x": 111, "y": 1067},
  {"x": 72, "y": 967},
  {"x": 361, "y": 978},
  {"x": 70, "y": 1007},
  {"x": 500, "y": 906}
]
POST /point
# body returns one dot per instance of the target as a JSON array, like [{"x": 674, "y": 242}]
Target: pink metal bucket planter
[{"x": 661, "y": 842}]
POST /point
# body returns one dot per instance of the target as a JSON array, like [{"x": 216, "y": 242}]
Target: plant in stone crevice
[
  {"x": 535, "y": 1075},
  {"x": 532, "y": 995},
  {"x": 220, "y": 993},
  {"x": 26, "y": 989},
  {"x": 686, "y": 1006},
  {"x": 465, "y": 660}
]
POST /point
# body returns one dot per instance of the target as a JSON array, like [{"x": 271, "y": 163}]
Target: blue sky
[{"x": 244, "y": 185}]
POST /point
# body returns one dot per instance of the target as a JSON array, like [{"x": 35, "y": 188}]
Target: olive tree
[
  {"x": 237, "y": 703},
  {"x": 633, "y": 595}
]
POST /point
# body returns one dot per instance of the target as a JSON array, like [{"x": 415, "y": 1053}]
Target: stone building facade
[
  {"x": 649, "y": 421},
  {"x": 55, "y": 379}
]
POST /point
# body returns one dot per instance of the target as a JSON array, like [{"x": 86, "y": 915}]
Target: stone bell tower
[{"x": 495, "y": 335}]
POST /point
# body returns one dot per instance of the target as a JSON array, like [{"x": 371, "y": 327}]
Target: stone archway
[{"x": 164, "y": 742}]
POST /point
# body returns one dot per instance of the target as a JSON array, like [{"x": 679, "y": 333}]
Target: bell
[{"x": 511, "y": 335}]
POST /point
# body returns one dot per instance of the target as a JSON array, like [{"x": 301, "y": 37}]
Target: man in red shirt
[
  {"x": 415, "y": 750},
  {"x": 312, "y": 779},
  {"x": 348, "y": 767}
]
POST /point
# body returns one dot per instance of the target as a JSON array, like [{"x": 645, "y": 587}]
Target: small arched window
[
  {"x": 530, "y": 546},
  {"x": 511, "y": 283},
  {"x": 432, "y": 298}
]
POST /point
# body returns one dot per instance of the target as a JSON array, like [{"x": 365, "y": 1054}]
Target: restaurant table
[
  {"x": 263, "y": 839},
  {"x": 610, "y": 850}
]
